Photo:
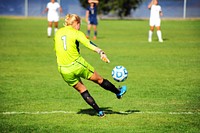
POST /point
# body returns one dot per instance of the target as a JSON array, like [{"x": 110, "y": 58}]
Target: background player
[
  {"x": 91, "y": 17},
  {"x": 155, "y": 20},
  {"x": 52, "y": 16},
  {"x": 72, "y": 66}
]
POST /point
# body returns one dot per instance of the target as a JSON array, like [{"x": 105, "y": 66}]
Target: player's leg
[
  {"x": 159, "y": 34},
  {"x": 56, "y": 20},
  {"x": 49, "y": 29},
  {"x": 95, "y": 23},
  {"x": 150, "y": 33},
  {"x": 151, "y": 24},
  {"x": 88, "y": 72},
  {"x": 95, "y": 32},
  {"x": 87, "y": 97},
  {"x": 55, "y": 27},
  {"x": 69, "y": 75},
  {"x": 88, "y": 30},
  {"x": 107, "y": 85}
]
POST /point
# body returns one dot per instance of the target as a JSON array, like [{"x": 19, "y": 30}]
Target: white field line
[
  {"x": 39, "y": 112},
  {"x": 171, "y": 113},
  {"x": 72, "y": 112}
]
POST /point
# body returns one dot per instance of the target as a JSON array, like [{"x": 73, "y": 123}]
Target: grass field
[{"x": 163, "y": 84}]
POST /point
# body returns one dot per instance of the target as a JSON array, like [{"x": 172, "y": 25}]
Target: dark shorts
[{"x": 93, "y": 22}]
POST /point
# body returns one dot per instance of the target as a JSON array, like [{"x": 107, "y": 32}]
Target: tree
[{"x": 121, "y": 7}]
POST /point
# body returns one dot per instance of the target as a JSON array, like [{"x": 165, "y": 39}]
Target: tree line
[{"x": 121, "y": 8}]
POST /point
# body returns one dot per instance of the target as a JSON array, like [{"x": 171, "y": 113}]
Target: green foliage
[
  {"x": 163, "y": 78},
  {"x": 121, "y": 7}
]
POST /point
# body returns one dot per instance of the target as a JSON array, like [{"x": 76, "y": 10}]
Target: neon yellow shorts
[{"x": 73, "y": 73}]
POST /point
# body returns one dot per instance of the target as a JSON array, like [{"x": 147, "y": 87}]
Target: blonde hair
[{"x": 71, "y": 18}]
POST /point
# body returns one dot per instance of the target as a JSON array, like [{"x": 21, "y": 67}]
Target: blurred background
[{"x": 171, "y": 8}]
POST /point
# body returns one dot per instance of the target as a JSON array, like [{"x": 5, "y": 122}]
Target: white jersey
[
  {"x": 155, "y": 15},
  {"x": 53, "y": 11},
  {"x": 155, "y": 12}
]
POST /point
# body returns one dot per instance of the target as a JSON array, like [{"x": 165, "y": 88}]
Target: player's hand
[{"x": 104, "y": 57}]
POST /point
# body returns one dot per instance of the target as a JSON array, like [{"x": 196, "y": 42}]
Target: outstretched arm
[
  {"x": 89, "y": 44},
  {"x": 102, "y": 54},
  {"x": 99, "y": 51}
]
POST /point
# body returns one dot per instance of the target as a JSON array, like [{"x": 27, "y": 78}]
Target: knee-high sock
[
  {"x": 88, "y": 32},
  {"x": 95, "y": 33},
  {"x": 109, "y": 86},
  {"x": 150, "y": 34},
  {"x": 55, "y": 29},
  {"x": 159, "y": 34},
  {"x": 49, "y": 29},
  {"x": 89, "y": 99}
]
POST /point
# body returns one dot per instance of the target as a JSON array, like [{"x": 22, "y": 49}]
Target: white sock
[
  {"x": 55, "y": 29},
  {"x": 159, "y": 34},
  {"x": 49, "y": 29},
  {"x": 150, "y": 35}
]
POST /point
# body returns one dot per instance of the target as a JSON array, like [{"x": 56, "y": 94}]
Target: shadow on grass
[{"x": 107, "y": 110}]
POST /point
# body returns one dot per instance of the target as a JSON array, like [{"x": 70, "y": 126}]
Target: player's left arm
[
  {"x": 161, "y": 13},
  {"x": 60, "y": 9}
]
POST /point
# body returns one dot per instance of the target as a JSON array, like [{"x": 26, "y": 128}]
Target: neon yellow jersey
[{"x": 67, "y": 41}]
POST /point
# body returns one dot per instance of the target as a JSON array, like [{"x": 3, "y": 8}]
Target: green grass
[{"x": 163, "y": 81}]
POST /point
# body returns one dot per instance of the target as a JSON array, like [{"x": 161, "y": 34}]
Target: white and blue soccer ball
[{"x": 119, "y": 73}]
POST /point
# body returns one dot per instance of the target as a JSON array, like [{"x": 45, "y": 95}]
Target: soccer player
[
  {"x": 52, "y": 16},
  {"x": 91, "y": 17},
  {"x": 155, "y": 20},
  {"x": 72, "y": 66}
]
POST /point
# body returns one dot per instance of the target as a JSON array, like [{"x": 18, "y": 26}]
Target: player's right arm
[
  {"x": 87, "y": 16},
  {"x": 150, "y": 4},
  {"x": 87, "y": 43},
  {"x": 93, "y": 1},
  {"x": 46, "y": 9}
]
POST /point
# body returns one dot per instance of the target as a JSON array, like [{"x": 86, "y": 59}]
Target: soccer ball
[{"x": 119, "y": 73}]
